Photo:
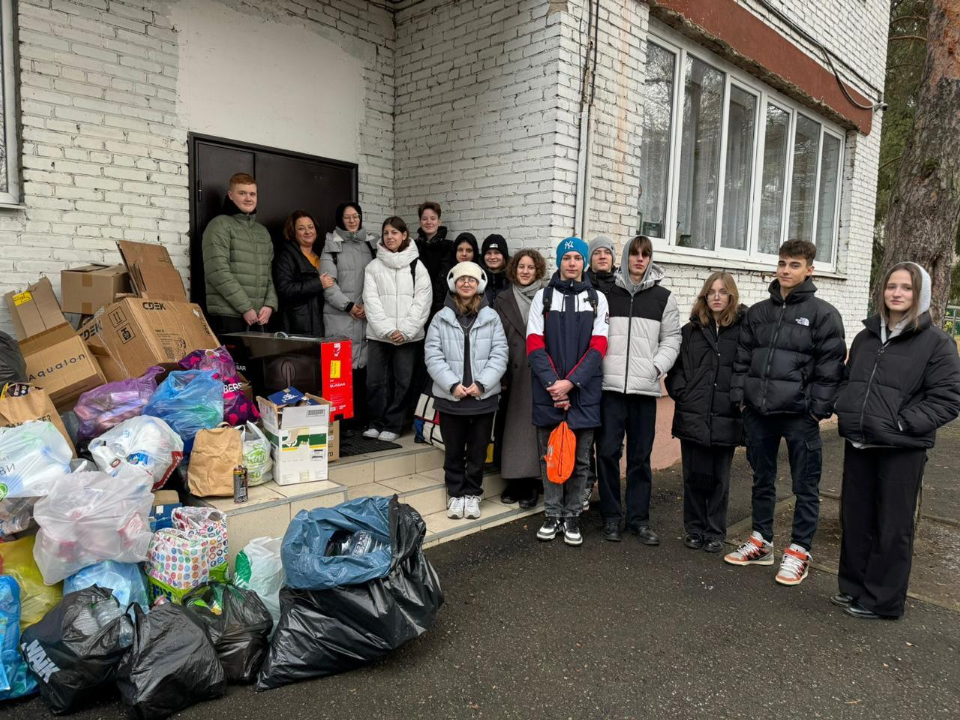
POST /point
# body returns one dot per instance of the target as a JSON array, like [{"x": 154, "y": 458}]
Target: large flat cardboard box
[
  {"x": 88, "y": 288},
  {"x": 60, "y": 362},
  {"x": 152, "y": 273},
  {"x": 35, "y": 310},
  {"x": 138, "y": 333}
]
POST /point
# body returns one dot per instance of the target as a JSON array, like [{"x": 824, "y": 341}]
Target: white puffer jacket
[{"x": 392, "y": 299}]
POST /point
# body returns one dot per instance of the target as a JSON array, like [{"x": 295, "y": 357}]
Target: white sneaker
[
  {"x": 471, "y": 507},
  {"x": 455, "y": 508},
  {"x": 795, "y": 565},
  {"x": 372, "y": 433},
  {"x": 755, "y": 551},
  {"x": 388, "y": 436}
]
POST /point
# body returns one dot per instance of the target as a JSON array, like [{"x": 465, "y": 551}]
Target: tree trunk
[{"x": 924, "y": 213}]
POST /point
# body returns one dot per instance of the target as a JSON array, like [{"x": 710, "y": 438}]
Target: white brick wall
[{"x": 104, "y": 152}]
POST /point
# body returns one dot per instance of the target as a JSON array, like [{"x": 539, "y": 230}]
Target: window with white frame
[
  {"x": 729, "y": 167},
  {"x": 9, "y": 145}
]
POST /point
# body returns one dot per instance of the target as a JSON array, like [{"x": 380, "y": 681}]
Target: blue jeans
[{"x": 805, "y": 450}]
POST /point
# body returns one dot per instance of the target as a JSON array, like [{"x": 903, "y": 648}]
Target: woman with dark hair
[
  {"x": 396, "y": 294},
  {"x": 465, "y": 249},
  {"x": 520, "y": 461},
  {"x": 902, "y": 382},
  {"x": 348, "y": 250},
  {"x": 708, "y": 425},
  {"x": 436, "y": 251},
  {"x": 296, "y": 276},
  {"x": 496, "y": 255}
]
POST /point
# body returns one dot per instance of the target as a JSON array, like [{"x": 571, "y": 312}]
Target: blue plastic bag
[
  {"x": 15, "y": 681},
  {"x": 189, "y": 401},
  {"x": 124, "y": 579},
  {"x": 313, "y": 534}
]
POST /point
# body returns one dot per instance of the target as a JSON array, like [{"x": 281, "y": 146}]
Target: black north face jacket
[{"x": 791, "y": 354}]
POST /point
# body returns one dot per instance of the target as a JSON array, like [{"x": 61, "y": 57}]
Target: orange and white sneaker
[
  {"x": 794, "y": 566},
  {"x": 755, "y": 551}
]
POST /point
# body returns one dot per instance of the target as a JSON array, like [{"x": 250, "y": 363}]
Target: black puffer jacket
[
  {"x": 437, "y": 256},
  {"x": 791, "y": 354},
  {"x": 299, "y": 291},
  {"x": 602, "y": 281},
  {"x": 897, "y": 394},
  {"x": 699, "y": 383}
]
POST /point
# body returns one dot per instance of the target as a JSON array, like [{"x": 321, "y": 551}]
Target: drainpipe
[{"x": 588, "y": 84}]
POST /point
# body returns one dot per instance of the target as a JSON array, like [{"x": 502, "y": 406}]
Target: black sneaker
[
  {"x": 571, "y": 532},
  {"x": 611, "y": 532},
  {"x": 645, "y": 535},
  {"x": 548, "y": 531},
  {"x": 694, "y": 542},
  {"x": 713, "y": 546}
]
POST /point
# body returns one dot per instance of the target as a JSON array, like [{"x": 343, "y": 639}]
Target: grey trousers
[{"x": 566, "y": 500}]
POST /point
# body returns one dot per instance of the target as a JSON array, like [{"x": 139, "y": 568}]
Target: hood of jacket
[
  {"x": 653, "y": 275},
  {"x": 400, "y": 259},
  {"x": 802, "y": 292},
  {"x": 230, "y": 208}
]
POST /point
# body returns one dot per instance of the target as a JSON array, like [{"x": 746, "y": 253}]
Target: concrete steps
[{"x": 414, "y": 473}]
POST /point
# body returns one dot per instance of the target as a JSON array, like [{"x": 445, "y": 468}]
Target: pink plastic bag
[
  {"x": 108, "y": 405},
  {"x": 237, "y": 409}
]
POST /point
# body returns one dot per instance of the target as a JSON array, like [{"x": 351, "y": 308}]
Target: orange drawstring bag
[{"x": 561, "y": 454}]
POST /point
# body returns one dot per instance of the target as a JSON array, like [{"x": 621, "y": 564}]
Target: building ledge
[{"x": 674, "y": 257}]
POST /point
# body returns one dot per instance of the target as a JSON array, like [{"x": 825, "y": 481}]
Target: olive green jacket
[{"x": 237, "y": 265}]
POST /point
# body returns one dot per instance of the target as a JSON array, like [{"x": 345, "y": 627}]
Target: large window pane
[
  {"x": 655, "y": 151},
  {"x": 806, "y": 152},
  {"x": 738, "y": 181},
  {"x": 700, "y": 156},
  {"x": 827, "y": 206},
  {"x": 775, "y": 145}
]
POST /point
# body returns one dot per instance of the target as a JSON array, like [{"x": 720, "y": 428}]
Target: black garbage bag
[
  {"x": 77, "y": 647},
  {"x": 237, "y": 623},
  {"x": 325, "y": 632},
  {"x": 171, "y": 665},
  {"x": 12, "y": 367}
]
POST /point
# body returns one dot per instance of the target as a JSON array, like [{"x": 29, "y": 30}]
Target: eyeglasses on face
[
  {"x": 717, "y": 294},
  {"x": 471, "y": 280}
]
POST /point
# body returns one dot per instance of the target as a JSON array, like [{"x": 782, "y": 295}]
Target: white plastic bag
[
  {"x": 33, "y": 456},
  {"x": 256, "y": 455},
  {"x": 92, "y": 516},
  {"x": 145, "y": 442},
  {"x": 259, "y": 569}
]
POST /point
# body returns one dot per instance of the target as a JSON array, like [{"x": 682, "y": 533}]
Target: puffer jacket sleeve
[
  {"x": 290, "y": 285},
  {"x": 676, "y": 379},
  {"x": 830, "y": 350},
  {"x": 377, "y": 319},
  {"x": 217, "y": 270},
  {"x": 669, "y": 340},
  {"x": 541, "y": 365},
  {"x": 589, "y": 364},
  {"x": 496, "y": 365},
  {"x": 270, "y": 300},
  {"x": 419, "y": 311},
  {"x": 333, "y": 294},
  {"x": 437, "y": 365},
  {"x": 940, "y": 393},
  {"x": 741, "y": 365}
]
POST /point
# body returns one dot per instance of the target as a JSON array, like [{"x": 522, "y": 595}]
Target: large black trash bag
[
  {"x": 238, "y": 624},
  {"x": 325, "y": 632},
  {"x": 76, "y": 647},
  {"x": 171, "y": 665}
]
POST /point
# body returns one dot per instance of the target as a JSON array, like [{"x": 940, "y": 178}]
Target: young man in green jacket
[{"x": 238, "y": 262}]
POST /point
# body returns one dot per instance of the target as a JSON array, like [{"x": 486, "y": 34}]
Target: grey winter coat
[
  {"x": 345, "y": 261},
  {"x": 443, "y": 352},
  {"x": 644, "y": 338},
  {"x": 521, "y": 457}
]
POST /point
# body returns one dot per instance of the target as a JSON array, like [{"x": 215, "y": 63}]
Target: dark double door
[{"x": 286, "y": 182}]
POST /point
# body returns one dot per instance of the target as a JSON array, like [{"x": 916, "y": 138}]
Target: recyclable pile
[{"x": 114, "y": 568}]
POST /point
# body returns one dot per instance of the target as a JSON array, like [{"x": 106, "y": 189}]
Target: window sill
[
  {"x": 674, "y": 257},
  {"x": 12, "y": 206}
]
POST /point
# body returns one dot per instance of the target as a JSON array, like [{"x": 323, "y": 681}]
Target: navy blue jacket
[{"x": 568, "y": 342}]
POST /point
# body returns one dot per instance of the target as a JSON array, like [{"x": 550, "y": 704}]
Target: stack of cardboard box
[{"x": 303, "y": 438}]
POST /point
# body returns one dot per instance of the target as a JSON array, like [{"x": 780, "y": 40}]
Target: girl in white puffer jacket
[{"x": 397, "y": 292}]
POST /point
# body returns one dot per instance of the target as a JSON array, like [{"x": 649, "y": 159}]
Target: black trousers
[
  {"x": 635, "y": 415},
  {"x": 465, "y": 441},
  {"x": 390, "y": 371},
  {"x": 880, "y": 488},
  {"x": 706, "y": 489},
  {"x": 805, "y": 450}
]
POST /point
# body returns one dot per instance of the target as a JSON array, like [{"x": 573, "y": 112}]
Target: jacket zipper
[
  {"x": 773, "y": 345},
  {"x": 626, "y": 369},
  {"x": 866, "y": 395}
]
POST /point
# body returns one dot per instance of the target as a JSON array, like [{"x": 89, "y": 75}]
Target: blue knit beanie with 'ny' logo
[{"x": 573, "y": 244}]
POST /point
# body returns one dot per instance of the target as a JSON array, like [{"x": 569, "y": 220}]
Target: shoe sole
[
  {"x": 469, "y": 516},
  {"x": 740, "y": 563},
  {"x": 454, "y": 516},
  {"x": 791, "y": 583},
  {"x": 545, "y": 538},
  {"x": 713, "y": 552},
  {"x": 612, "y": 539},
  {"x": 845, "y": 604},
  {"x": 648, "y": 543},
  {"x": 693, "y": 546},
  {"x": 572, "y": 543}
]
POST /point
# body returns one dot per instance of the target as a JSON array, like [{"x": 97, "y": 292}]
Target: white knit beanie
[{"x": 467, "y": 269}]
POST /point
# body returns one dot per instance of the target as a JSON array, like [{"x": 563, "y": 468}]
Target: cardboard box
[
  {"x": 137, "y": 334},
  {"x": 86, "y": 289},
  {"x": 301, "y": 438},
  {"x": 34, "y": 310},
  {"x": 152, "y": 273},
  {"x": 60, "y": 362}
]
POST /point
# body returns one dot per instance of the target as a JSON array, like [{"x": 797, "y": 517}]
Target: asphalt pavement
[{"x": 541, "y": 630}]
